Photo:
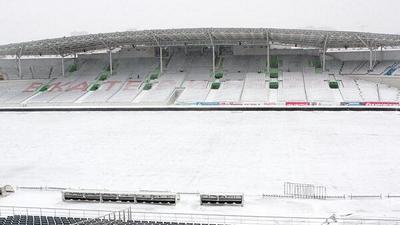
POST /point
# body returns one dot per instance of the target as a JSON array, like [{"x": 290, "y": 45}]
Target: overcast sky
[{"x": 25, "y": 20}]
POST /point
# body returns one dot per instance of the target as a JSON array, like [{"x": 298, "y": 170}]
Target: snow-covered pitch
[{"x": 248, "y": 152}]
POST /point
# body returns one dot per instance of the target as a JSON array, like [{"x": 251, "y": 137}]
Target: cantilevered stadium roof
[{"x": 202, "y": 36}]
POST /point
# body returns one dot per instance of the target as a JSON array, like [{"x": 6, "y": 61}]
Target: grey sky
[{"x": 25, "y": 20}]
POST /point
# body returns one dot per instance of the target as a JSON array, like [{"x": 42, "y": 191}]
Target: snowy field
[{"x": 248, "y": 152}]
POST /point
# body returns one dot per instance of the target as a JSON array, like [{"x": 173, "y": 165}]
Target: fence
[
  {"x": 304, "y": 190},
  {"x": 341, "y": 197},
  {"x": 129, "y": 215},
  {"x": 57, "y": 212},
  {"x": 254, "y": 220}
]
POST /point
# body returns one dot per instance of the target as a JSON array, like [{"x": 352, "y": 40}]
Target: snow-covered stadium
[
  {"x": 262, "y": 67},
  {"x": 148, "y": 143}
]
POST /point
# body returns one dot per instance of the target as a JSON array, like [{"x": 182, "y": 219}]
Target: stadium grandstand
[
  {"x": 259, "y": 67},
  {"x": 180, "y": 168}
]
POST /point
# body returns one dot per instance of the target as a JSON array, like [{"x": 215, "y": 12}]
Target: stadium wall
[
  {"x": 388, "y": 80},
  {"x": 385, "y": 55},
  {"x": 131, "y": 53},
  {"x": 262, "y": 50},
  {"x": 194, "y": 108}
]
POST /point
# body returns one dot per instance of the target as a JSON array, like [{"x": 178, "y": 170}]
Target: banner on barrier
[
  {"x": 207, "y": 103},
  {"x": 382, "y": 103},
  {"x": 351, "y": 103},
  {"x": 230, "y": 103},
  {"x": 252, "y": 104},
  {"x": 297, "y": 103}
]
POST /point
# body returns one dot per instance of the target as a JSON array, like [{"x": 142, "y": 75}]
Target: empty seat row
[
  {"x": 45, "y": 220},
  {"x": 38, "y": 220}
]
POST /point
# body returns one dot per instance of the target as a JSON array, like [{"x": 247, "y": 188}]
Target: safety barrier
[
  {"x": 57, "y": 212},
  {"x": 128, "y": 215}
]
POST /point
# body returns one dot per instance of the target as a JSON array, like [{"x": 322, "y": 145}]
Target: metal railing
[
  {"x": 57, "y": 212},
  {"x": 222, "y": 219},
  {"x": 120, "y": 215},
  {"x": 255, "y": 220}
]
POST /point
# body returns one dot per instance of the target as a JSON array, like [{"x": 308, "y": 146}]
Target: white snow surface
[{"x": 248, "y": 152}]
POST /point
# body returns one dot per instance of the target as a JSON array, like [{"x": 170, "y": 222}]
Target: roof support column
[
  {"x": 213, "y": 54},
  {"x": 371, "y": 63},
  {"x": 324, "y": 54},
  {"x": 19, "y": 54},
  {"x": 161, "y": 60},
  {"x": 213, "y": 51},
  {"x": 161, "y": 52},
  {"x": 268, "y": 58},
  {"x": 19, "y": 67},
  {"x": 111, "y": 62},
  {"x": 62, "y": 66},
  {"x": 268, "y": 54},
  {"x": 371, "y": 59}
]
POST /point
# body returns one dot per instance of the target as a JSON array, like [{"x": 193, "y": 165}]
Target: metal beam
[
  {"x": 371, "y": 59},
  {"x": 111, "y": 62},
  {"x": 62, "y": 66},
  {"x": 109, "y": 52},
  {"x": 371, "y": 63},
  {"x": 199, "y": 37},
  {"x": 213, "y": 49},
  {"x": 19, "y": 54},
  {"x": 324, "y": 53},
  {"x": 268, "y": 53},
  {"x": 57, "y": 51},
  {"x": 213, "y": 54},
  {"x": 161, "y": 60},
  {"x": 161, "y": 51}
]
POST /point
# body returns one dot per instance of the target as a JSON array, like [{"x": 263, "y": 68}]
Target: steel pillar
[
  {"x": 268, "y": 54},
  {"x": 161, "y": 60},
  {"x": 268, "y": 58},
  {"x": 324, "y": 53},
  {"x": 371, "y": 64},
  {"x": 62, "y": 66},
  {"x": 111, "y": 62},
  {"x": 19, "y": 54},
  {"x": 213, "y": 51},
  {"x": 19, "y": 67}
]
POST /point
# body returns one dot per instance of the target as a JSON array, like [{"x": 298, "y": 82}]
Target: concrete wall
[
  {"x": 125, "y": 53},
  {"x": 135, "y": 53},
  {"x": 393, "y": 55},
  {"x": 262, "y": 50},
  {"x": 391, "y": 81}
]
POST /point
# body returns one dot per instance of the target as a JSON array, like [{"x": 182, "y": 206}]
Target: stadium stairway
[
  {"x": 134, "y": 73},
  {"x": 255, "y": 89},
  {"x": 392, "y": 69},
  {"x": 368, "y": 91},
  {"x": 194, "y": 91},
  {"x": 387, "y": 94},
  {"x": 380, "y": 67}
]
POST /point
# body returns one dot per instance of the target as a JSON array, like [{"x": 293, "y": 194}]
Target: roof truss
[{"x": 202, "y": 37}]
